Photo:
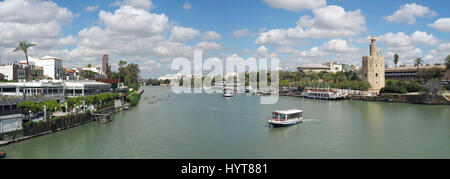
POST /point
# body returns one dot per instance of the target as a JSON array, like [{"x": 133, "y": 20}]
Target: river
[{"x": 210, "y": 126}]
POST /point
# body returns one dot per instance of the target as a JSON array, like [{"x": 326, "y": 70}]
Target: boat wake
[{"x": 311, "y": 120}]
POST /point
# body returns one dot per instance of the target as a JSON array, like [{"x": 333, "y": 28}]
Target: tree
[
  {"x": 108, "y": 70},
  {"x": 396, "y": 57},
  {"x": 24, "y": 46},
  {"x": 447, "y": 61},
  {"x": 89, "y": 65},
  {"x": 418, "y": 61}
]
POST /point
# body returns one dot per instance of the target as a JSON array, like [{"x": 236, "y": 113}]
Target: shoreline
[{"x": 23, "y": 138}]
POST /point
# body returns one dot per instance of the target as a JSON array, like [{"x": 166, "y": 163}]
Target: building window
[{"x": 376, "y": 74}]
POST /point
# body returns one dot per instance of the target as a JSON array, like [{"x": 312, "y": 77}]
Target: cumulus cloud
[
  {"x": 337, "y": 49},
  {"x": 408, "y": 13},
  {"x": 187, "y": 6},
  {"x": 328, "y": 22},
  {"x": 138, "y": 4},
  {"x": 134, "y": 20},
  {"x": 296, "y": 5},
  {"x": 91, "y": 8},
  {"x": 438, "y": 54},
  {"x": 211, "y": 35},
  {"x": 241, "y": 32},
  {"x": 36, "y": 21},
  {"x": 406, "y": 45},
  {"x": 181, "y": 34},
  {"x": 442, "y": 25},
  {"x": 205, "y": 45},
  {"x": 69, "y": 40}
]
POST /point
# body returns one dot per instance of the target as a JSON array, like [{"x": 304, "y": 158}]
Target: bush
[
  {"x": 395, "y": 86},
  {"x": 134, "y": 99}
]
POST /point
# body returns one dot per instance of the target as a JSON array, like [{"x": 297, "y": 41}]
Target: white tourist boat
[
  {"x": 323, "y": 93},
  {"x": 285, "y": 118},
  {"x": 228, "y": 92}
]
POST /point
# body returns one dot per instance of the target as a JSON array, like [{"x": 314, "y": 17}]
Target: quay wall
[{"x": 404, "y": 98}]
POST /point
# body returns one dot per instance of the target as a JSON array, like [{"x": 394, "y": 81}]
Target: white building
[
  {"x": 314, "y": 68},
  {"x": 93, "y": 69},
  {"x": 85, "y": 88},
  {"x": 335, "y": 67},
  {"x": 13, "y": 71},
  {"x": 52, "y": 66}
]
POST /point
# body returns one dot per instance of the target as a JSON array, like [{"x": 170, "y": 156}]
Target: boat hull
[{"x": 278, "y": 124}]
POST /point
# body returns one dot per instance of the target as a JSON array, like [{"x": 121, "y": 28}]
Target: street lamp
[{"x": 45, "y": 112}]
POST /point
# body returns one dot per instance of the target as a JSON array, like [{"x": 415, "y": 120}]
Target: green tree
[
  {"x": 24, "y": 46},
  {"x": 418, "y": 61},
  {"x": 396, "y": 57},
  {"x": 447, "y": 61}
]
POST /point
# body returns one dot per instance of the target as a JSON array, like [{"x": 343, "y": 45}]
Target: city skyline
[{"x": 152, "y": 33}]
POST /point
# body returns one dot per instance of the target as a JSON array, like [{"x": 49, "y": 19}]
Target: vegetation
[
  {"x": 133, "y": 98},
  {"x": 418, "y": 62},
  {"x": 24, "y": 46},
  {"x": 447, "y": 62},
  {"x": 430, "y": 73},
  {"x": 396, "y": 57},
  {"x": 27, "y": 106},
  {"x": 128, "y": 74},
  {"x": 400, "y": 86},
  {"x": 91, "y": 100}
]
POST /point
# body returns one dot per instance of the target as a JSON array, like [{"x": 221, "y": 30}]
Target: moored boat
[
  {"x": 285, "y": 118},
  {"x": 322, "y": 93},
  {"x": 2, "y": 155}
]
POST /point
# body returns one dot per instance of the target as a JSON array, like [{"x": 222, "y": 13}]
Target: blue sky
[{"x": 271, "y": 29}]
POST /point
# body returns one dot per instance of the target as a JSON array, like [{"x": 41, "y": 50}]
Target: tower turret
[{"x": 373, "y": 47}]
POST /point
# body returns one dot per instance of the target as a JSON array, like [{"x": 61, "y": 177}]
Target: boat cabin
[{"x": 287, "y": 115}]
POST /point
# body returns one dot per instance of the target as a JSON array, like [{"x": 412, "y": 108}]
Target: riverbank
[
  {"x": 60, "y": 123},
  {"x": 411, "y": 98}
]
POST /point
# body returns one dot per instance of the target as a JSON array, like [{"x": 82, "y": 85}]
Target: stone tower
[{"x": 373, "y": 68}]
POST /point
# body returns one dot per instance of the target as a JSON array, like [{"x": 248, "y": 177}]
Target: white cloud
[
  {"x": 187, "y": 6},
  {"x": 241, "y": 32},
  {"x": 438, "y": 55},
  {"x": 328, "y": 22},
  {"x": 135, "y": 21},
  {"x": 339, "y": 46},
  {"x": 401, "y": 40},
  {"x": 408, "y": 13},
  {"x": 442, "y": 25},
  {"x": 208, "y": 46},
  {"x": 211, "y": 35},
  {"x": 36, "y": 21},
  {"x": 137, "y": 4},
  {"x": 181, "y": 34},
  {"x": 69, "y": 40},
  {"x": 91, "y": 8},
  {"x": 296, "y": 5}
]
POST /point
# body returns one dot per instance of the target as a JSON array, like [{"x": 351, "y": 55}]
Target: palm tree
[
  {"x": 418, "y": 62},
  {"x": 122, "y": 63},
  {"x": 89, "y": 65},
  {"x": 396, "y": 60},
  {"x": 24, "y": 46}
]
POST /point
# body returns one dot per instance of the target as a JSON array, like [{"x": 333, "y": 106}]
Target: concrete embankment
[{"x": 405, "y": 98}]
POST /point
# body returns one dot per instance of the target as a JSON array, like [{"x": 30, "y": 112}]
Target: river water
[{"x": 210, "y": 126}]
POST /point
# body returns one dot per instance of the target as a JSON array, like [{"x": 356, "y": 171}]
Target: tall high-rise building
[
  {"x": 104, "y": 63},
  {"x": 373, "y": 67}
]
